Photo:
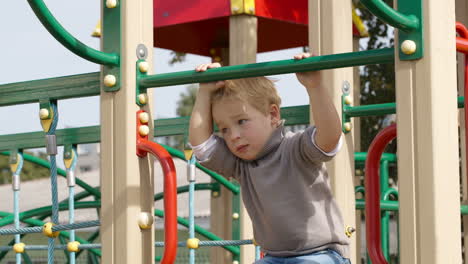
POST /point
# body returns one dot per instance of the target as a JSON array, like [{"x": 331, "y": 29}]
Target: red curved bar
[
  {"x": 372, "y": 190},
  {"x": 170, "y": 197}
]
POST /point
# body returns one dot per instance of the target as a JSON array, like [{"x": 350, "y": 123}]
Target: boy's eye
[
  {"x": 223, "y": 130},
  {"x": 242, "y": 121}
]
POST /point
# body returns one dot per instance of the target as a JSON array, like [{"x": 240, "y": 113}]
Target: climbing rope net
[{"x": 52, "y": 230}]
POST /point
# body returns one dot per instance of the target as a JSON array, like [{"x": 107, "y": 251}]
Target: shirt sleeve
[
  {"x": 333, "y": 152},
  {"x": 307, "y": 149},
  {"x": 216, "y": 156}
]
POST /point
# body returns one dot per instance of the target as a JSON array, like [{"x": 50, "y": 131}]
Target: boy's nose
[{"x": 234, "y": 135}]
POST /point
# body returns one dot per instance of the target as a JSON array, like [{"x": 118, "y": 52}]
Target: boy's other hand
[
  {"x": 211, "y": 86},
  {"x": 310, "y": 79}
]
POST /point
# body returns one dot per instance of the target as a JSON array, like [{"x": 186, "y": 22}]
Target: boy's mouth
[{"x": 242, "y": 148}]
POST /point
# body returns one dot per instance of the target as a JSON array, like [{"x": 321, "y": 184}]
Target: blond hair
[{"x": 259, "y": 92}]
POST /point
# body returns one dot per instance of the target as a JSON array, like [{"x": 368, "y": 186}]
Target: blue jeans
[{"x": 327, "y": 256}]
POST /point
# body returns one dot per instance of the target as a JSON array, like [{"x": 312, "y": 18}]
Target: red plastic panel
[
  {"x": 286, "y": 10},
  {"x": 172, "y": 12}
]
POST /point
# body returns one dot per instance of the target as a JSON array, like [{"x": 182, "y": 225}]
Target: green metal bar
[
  {"x": 199, "y": 230},
  {"x": 361, "y": 157},
  {"x": 391, "y": 16},
  {"x": 61, "y": 172},
  {"x": 73, "y": 86},
  {"x": 229, "y": 185},
  {"x": 271, "y": 68},
  {"x": 184, "y": 189},
  {"x": 382, "y": 109},
  {"x": 67, "y": 40},
  {"x": 385, "y": 217}
]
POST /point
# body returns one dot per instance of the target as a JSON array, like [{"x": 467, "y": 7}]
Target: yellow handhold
[
  {"x": 243, "y": 7},
  {"x": 73, "y": 246},
  {"x": 47, "y": 230},
  {"x": 193, "y": 243},
  {"x": 188, "y": 154},
  {"x": 19, "y": 247},
  {"x": 97, "y": 30}
]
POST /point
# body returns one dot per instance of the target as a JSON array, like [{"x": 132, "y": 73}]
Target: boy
[{"x": 284, "y": 183}]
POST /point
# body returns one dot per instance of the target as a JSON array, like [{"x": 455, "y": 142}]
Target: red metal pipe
[
  {"x": 372, "y": 191},
  {"x": 462, "y": 46},
  {"x": 170, "y": 192}
]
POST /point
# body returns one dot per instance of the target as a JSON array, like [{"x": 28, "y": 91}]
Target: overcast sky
[{"x": 29, "y": 52}]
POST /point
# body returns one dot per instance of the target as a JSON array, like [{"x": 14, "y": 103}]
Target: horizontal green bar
[
  {"x": 390, "y": 16},
  {"x": 162, "y": 127},
  {"x": 324, "y": 62},
  {"x": 393, "y": 206},
  {"x": 361, "y": 157},
  {"x": 66, "y": 87},
  {"x": 382, "y": 109},
  {"x": 67, "y": 40}
]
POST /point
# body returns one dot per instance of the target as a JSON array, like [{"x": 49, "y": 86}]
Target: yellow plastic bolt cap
[
  {"x": 193, "y": 243},
  {"x": 143, "y": 66},
  {"x": 145, "y": 220},
  {"x": 44, "y": 113},
  {"x": 110, "y": 80},
  {"x": 235, "y": 215},
  {"x": 235, "y": 262},
  {"x": 348, "y": 126},
  {"x": 347, "y": 100},
  {"x": 111, "y": 3},
  {"x": 143, "y": 98},
  {"x": 349, "y": 231},
  {"x": 47, "y": 230},
  {"x": 144, "y": 117},
  {"x": 215, "y": 194},
  {"x": 73, "y": 246},
  {"x": 408, "y": 47},
  {"x": 143, "y": 130},
  {"x": 19, "y": 247}
]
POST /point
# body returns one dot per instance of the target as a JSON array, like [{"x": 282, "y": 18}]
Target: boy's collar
[{"x": 273, "y": 142}]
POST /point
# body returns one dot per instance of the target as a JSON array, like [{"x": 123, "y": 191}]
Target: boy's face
[{"x": 244, "y": 128}]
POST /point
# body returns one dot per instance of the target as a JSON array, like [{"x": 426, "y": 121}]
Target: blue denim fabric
[{"x": 321, "y": 257}]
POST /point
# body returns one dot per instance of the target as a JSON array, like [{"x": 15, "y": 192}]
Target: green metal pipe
[
  {"x": 324, "y": 62},
  {"x": 67, "y": 40},
  {"x": 361, "y": 157},
  {"x": 370, "y": 110},
  {"x": 201, "y": 231},
  {"x": 185, "y": 188},
  {"x": 61, "y": 172},
  {"x": 382, "y": 109},
  {"x": 229, "y": 185},
  {"x": 391, "y": 16}
]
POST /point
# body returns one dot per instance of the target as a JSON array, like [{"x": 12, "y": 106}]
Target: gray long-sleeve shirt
[{"x": 287, "y": 194}]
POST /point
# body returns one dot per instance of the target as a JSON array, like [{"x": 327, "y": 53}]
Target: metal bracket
[
  {"x": 345, "y": 104},
  {"x": 415, "y": 36},
  {"x": 111, "y": 39}
]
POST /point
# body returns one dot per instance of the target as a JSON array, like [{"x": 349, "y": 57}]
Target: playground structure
[{"x": 424, "y": 57}]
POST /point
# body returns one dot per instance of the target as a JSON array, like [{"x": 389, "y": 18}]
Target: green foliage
[
  {"x": 30, "y": 170},
  {"x": 187, "y": 100},
  {"x": 177, "y": 57}
]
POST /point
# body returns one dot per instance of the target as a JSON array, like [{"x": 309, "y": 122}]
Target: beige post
[
  {"x": 330, "y": 33},
  {"x": 462, "y": 17},
  {"x": 428, "y": 144},
  {"x": 126, "y": 180},
  {"x": 357, "y": 147},
  {"x": 242, "y": 50}
]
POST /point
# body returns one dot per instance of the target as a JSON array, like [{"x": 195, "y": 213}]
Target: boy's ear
[{"x": 275, "y": 114}]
